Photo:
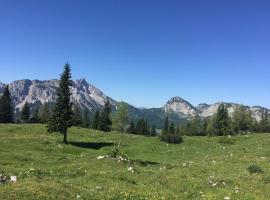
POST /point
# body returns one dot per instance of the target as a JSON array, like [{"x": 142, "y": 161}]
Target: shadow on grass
[
  {"x": 146, "y": 163},
  {"x": 91, "y": 145}
]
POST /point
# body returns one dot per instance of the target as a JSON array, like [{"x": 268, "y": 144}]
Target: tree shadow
[
  {"x": 146, "y": 162},
  {"x": 91, "y": 145}
]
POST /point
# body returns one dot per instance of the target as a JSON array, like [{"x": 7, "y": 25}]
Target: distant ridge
[{"x": 88, "y": 97}]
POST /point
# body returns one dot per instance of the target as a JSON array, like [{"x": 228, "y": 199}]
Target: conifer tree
[
  {"x": 171, "y": 128},
  {"x": 242, "y": 119},
  {"x": 131, "y": 128},
  {"x": 264, "y": 125},
  {"x": 35, "y": 116},
  {"x": 61, "y": 118},
  {"x": 105, "y": 122},
  {"x": 44, "y": 113},
  {"x": 95, "y": 123},
  {"x": 177, "y": 131},
  {"x": 153, "y": 131},
  {"x": 85, "y": 119},
  {"x": 140, "y": 126},
  {"x": 165, "y": 128},
  {"x": 77, "y": 116},
  {"x": 25, "y": 113},
  {"x": 6, "y": 109},
  {"x": 222, "y": 124}
]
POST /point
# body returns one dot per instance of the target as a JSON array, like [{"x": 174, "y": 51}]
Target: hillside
[{"x": 47, "y": 169}]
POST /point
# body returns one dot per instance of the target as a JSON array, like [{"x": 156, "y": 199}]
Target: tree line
[
  {"x": 63, "y": 114},
  {"x": 221, "y": 124}
]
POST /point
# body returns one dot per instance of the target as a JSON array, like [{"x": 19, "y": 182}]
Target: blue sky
[{"x": 143, "y": 51}]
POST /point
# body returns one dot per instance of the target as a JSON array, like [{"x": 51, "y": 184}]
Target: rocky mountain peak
[
  {"x": 179, "y": 105},
  {"x": 36, "y": 92},
  {"x": 202, "y": 106}
]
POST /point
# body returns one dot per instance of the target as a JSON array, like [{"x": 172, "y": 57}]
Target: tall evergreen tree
[
  {"x": 131, "y": 128},
  {"x": 264, "y": 124},
  {"x": 6, "y": 109},
  {"x": 61, "y": 118},
  {"x": 77, "y": 116},
  {"x": 25, "y": 113},
  {"x": 153, "y": 131},
  {"x": 222, "y": 125},
  {"x": 171, "y": 129},
  {"x": 177, "y": 131},
  {"x": 142, "y": 127},
  {"x": 242, "y": 119},
  {"x": 105, "y": 123},
  {"x": 35, "y": 116},
  {"x": 165, "y": 128},
  {"x": 44, "y": 113},
  {"x": 95, "y": 123},
  {"x": 85, "y": 119}
]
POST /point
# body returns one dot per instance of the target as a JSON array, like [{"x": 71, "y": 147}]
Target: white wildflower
[
  {"x": 100, "y": 157},
  {"x": 13, "y": 179},
  {"x": 130, "y": 169},
  {"x": 214, "y": 184}
]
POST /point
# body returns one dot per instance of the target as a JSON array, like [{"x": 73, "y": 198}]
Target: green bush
[
  {"x": 254, "y": 169},
  {"x": 226, "y": 140},
  {"x": 171, "y": 138},
  {"x": 266, "y": 180}
]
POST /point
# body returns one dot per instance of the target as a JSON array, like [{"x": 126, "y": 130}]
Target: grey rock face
[
  {"x": 84, "y": 95},
  {"x": 179, "y": 105}
]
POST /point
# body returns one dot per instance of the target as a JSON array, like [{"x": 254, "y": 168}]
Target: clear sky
[{"x": 143, "y": 51}]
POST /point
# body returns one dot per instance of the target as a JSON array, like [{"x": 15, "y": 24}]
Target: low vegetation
[{"x": 89, "y": 167}]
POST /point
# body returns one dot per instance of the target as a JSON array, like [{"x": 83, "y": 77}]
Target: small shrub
[
  {"x": 254, "y": 169},
  {"x": 171, "y": 138},
  {"x": 114, "y": 152},
  {"x": 226, "y": 140},
  {"x": 266, "y": 180}
]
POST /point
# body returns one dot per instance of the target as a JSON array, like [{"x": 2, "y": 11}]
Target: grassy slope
[{"x": 49, "y": 170}]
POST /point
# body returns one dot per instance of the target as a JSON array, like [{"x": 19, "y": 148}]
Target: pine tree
[
  {"x": 35, "y": 116},
  {"x": 120, "y": 118},
  {"x": 105, "y": 122},
  {"x": 61, "y": 118},
  {"x": 242, "y": 119},
  {"x": 264, "y": 124},
  {"x": 95, "y": 123},
  {"x": 166, "y": 126},
  {"x": 142, "y": 127},
  {"x": 153, "y": 131},
  {"x": 177, "y": 131},
  {"x": 77, "y": 116},
  {"x": 44, "y": 113},
  {"x": 85, "y": 119},
  {"x": 6, "y": 109},
  {"x": 25, "y": 113},
  {"x": 131, "y": 128},
  {"x": 221, "y": 122},
  {"x": 171, "y": 129}
]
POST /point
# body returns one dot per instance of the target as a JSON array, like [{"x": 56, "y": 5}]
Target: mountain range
[{"x": 88, "y": 97}]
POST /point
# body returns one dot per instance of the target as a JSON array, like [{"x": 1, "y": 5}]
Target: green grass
[{"x": 199, "y": 168}]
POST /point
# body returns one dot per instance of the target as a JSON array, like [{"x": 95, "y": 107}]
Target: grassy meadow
[{"x": 199, "y": 168}]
